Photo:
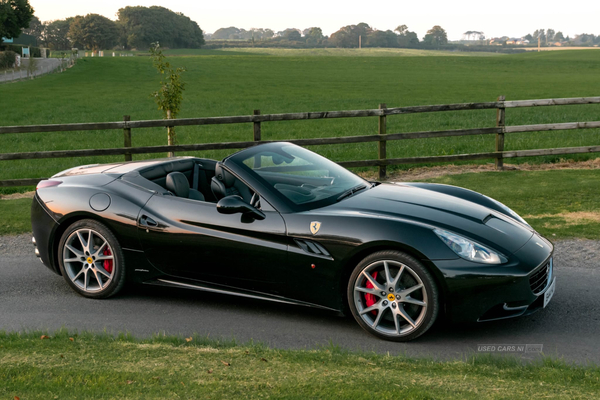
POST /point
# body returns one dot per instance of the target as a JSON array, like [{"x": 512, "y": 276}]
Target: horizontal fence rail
[
  {"x": 382, "y": 137},
  {"x": 161, "y": 123}
]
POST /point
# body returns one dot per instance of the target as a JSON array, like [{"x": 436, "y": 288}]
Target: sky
[{"x": 506, "y": 18}]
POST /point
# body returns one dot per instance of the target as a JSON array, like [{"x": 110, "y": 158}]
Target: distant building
[{"x": 517, "y": 41}]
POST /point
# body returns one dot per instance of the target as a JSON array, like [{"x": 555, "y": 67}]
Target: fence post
[
  {"x": 500, "y": 123},
  {"x": 257, "y": 138},
  {"x": 127, "y": 136},
  {"x": 381, "y": 150},
  {"x": 257, "y": 127}
]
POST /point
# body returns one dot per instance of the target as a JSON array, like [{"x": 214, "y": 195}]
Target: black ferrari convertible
[{"x": 281, "y": 223}]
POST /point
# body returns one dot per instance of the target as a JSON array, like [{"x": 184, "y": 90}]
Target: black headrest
[
  {"x": 224, "y": 176},
  {"x": 178, "y": 184}
]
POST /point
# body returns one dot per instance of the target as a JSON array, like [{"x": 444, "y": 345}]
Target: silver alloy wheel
[
  {"x": 397, "y": 295},
  {"x": 84, "y": 255}
]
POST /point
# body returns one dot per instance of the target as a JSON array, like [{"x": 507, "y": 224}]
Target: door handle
[{"x": 147, "y": 221}]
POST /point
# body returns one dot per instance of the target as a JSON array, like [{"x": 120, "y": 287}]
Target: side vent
[{"x": 312, "y": 247}]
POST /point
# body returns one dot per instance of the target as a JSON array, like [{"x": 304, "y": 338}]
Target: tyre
[
  {"x": 393, "y": 296},
  {"x": 91, "y": 259}
]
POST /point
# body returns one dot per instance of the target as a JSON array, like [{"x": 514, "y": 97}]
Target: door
[{"x": 191, "y": 239}]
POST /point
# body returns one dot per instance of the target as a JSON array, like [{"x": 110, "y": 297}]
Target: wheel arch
[
  {"x": 64, "y": 224},
  {"x": 365, "y": 251}
]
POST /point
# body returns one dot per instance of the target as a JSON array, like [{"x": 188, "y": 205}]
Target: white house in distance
[{"x": 509, "y": 41}]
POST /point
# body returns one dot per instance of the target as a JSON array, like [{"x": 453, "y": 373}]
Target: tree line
[
  {"x": 549, "y": 36},
  {"x": 347, "y": 36},
  {"x": 135, "y": 28},
  {"x": 138, "y": 27},
  {"x": 364, "y": 35}
]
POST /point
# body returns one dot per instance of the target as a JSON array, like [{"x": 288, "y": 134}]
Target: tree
[
  {"x": 409, "y": 39},
  {"x": 142, "y": 26},
  {"x": 405, "y": 37},
  {"x": 259, "y": 34},
  {"x": 14, "y": 16},
  {"x": 289, "y": 31},
  {"x": 56, "y": 34},
  {"x": 35, "y": 29},
  {"x": 93, "y": 32},
  {"x": 226, "y": 33},
  {"x": 436, "y": 36},
  {"x": 170, "y": 95},
  {"x": 381, "y": 39},
  {"x": 539, "y": 34},
  {"x": 292, "y": 34},
  {"x": 559, "y": 36},
  {"x": 347, "y": 36},
  {"x": 550, "y": 33},
  {"x": 584, "y": 39},
  {"x": 267, "y": 33},
  {"x": 401, "y": 29},
  {"x": 313, "y": 36}
]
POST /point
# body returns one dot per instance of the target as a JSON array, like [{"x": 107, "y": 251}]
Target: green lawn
[
  {"x": 15, "y": 216},
  {"x": 558, "y": 204},
  {"x": 235, "y": 82},
  {"x": 64, "y": 365}
]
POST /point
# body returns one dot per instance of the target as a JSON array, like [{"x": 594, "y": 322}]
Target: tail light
[{"x": 47, "y": 184}]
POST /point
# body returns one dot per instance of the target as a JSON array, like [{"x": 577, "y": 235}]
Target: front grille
[{"x": 538, "y": 281}]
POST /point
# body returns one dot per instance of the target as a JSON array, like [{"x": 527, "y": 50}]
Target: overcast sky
[{"x": 494, "y": 18}]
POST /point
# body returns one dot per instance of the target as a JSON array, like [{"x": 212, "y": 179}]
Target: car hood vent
[{"x": 312, "y": 247}]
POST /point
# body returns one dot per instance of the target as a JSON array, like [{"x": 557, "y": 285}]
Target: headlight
[{"x": 470, "y": 250}]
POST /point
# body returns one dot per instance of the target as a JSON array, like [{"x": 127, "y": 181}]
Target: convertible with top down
[{"x": 278, "y": 222}]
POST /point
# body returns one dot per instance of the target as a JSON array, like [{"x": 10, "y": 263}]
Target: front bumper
[{"x": 478, "y": 292}]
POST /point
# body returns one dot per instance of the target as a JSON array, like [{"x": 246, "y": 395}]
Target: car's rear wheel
[
  {"x": 393, "y": 296},
  {"x": 91, "y": 259}
]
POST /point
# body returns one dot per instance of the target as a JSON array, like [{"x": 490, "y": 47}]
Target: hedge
[{"x": 7, "y": 59}]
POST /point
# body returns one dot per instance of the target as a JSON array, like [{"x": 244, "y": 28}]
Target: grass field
[
  {"x": 558, "y": 204},
  {"x": 41, "y": 366},
  {"x": 236, "y": 82}
]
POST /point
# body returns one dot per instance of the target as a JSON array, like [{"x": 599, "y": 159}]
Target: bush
[{"x": 7, "y": 59}]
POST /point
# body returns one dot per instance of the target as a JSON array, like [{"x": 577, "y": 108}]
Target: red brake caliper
[
  {"x": 108, "y": 264},
  {"x": 370, "y": 299}
]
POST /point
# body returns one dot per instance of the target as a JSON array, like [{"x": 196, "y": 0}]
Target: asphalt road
[{"x": 32, "y": 297}]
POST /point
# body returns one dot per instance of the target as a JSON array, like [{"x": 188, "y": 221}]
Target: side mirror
[{"x": 235, "y": 204}]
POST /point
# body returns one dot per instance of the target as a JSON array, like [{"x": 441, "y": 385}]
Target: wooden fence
[{"x": 382, "y": 137}]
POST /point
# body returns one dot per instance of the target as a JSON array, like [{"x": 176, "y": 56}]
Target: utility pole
[{"x": 539, "y": 42}]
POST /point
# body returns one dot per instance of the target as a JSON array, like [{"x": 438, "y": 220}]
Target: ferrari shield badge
[{"x": 314, "y": 227}]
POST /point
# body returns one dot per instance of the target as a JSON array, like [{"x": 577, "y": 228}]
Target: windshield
[{"x": 304, "y": 178}]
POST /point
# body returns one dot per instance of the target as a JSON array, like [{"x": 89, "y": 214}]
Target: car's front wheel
[
  {"x": 91, "y": 259},
  {"x": 393, "y": 296}
]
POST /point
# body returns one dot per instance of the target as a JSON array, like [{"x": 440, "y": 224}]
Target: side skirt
[{"x": 213, "y": 288}]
